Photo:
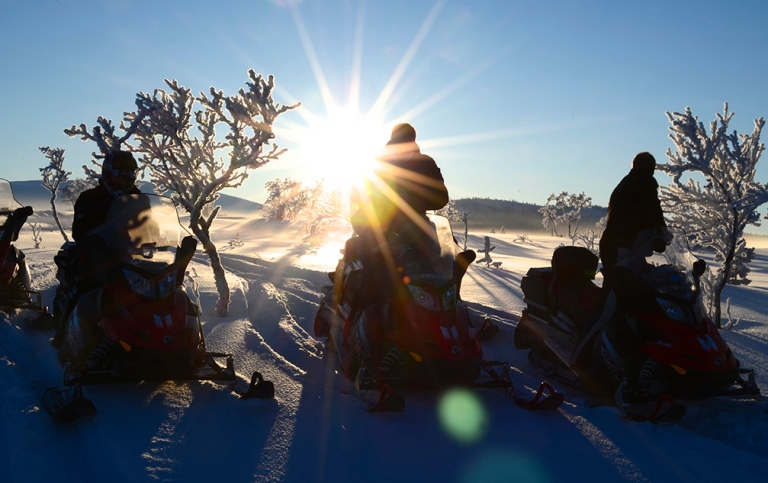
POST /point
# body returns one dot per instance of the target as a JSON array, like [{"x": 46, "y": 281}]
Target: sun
[{"x": 341, "y": 148}]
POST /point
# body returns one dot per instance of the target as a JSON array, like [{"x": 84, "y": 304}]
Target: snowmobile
[
  {"x": 642, "y": 342},
  {"x": 411, "y": 329},
  {"x": 15, "y": 282},
  {"x": 138, "y": 323}
]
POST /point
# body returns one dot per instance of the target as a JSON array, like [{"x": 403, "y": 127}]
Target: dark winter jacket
[
  {"x": 633, "y": 207},
  {"x": 409, "y": 178},
  {"x": 91, "y": 209},
  {"x": 414, "y": 176}
]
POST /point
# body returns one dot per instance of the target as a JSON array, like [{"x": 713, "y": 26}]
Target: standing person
[
  {"x": 635, "y": 217},
  {"x": 634, "y": 207}
]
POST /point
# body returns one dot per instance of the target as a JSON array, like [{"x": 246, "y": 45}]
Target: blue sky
[{"x": 514, "y": 99}]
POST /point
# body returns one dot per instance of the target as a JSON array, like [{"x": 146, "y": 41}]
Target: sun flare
[{"x": 342, "y": 148}]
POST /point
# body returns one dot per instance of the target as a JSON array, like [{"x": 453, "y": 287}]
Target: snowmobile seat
[
  {"x": 65, "y": 260},
  {"x": 578, "y": 298},
  {"x": 572, "y": 289},
  {"x": 572, "y": 262},
  {"x": 535, "y": 286}
]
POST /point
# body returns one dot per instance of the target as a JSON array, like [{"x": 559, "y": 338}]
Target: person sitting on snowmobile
[
  {"x": 88, "y": 258},
  {"x": 394, "y": 201},
  {"x": 9, "y": 233},
  {"x": 118, "y": 177},
  {"x": 392, "y": 211}
]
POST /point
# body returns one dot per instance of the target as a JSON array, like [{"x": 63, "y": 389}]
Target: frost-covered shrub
[
  {"x": 714, "y": 213},
  {"x": 564, "y": 209},
  {"x": 53, "y": 177}
]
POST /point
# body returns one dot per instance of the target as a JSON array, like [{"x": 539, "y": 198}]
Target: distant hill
[
  {"x": 32, "y": 193},
  {"x": 488, "y": 213},
  {"x": 485, "y": 214}
]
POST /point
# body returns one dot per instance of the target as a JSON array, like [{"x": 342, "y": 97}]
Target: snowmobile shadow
[
  {"x": 502, "y": 275},
  {"x": 725, "y": 420},
  {"x": 485, "y": 280},
  {"x": 177, "y": 418}
]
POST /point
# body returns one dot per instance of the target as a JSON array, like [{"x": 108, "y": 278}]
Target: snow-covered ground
[{"x": 316, "y": 430}]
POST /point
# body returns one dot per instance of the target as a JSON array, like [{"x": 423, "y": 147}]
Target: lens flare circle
[{"x": 463, "y": 416}]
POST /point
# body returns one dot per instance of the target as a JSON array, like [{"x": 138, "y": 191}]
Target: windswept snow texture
[{"x": 316, "y": 430}]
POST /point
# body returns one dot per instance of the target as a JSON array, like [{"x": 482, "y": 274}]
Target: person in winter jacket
[
  {"x": 406, "y": 184},
  {"x": 391, "y": 204},
  {"x": 90, "y": 259},
  {"x": 634, "y": 230},
  {"x": 633, "y": 208},
  {"x": 391, "y": 210},
  {"x": 118, "y": 177}
]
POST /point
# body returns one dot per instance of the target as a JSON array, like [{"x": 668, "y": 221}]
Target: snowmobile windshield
[
  {"x": 7, "y": 201},
  {"x": 142, "y": 227},
  {"x": 430, "y": 259},
  {"x": 671, "y": 272}
]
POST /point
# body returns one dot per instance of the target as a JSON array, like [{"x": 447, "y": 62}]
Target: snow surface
[{"x": 317, "y": 431}]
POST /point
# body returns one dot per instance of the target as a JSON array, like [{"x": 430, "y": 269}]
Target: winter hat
[
  {"x": 644, "y": 162},
  {"x": 402, "y": 133},
  {"x": 120, "y": 160}
]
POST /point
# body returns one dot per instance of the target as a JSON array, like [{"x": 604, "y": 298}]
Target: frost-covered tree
[
  {"x": 53, "y": 177},
  {"x": 325, "y": 208},
  {"x": 189, "y": 158},
  {"x": 36, "y": 238},
  {"x": 286, "y": 199},
  {"x": 449, "y": 211},
  {"x": 715, "y": 213},
  {"x": 549, "y": 217},
  {"x": 589, "y": 238},
  {"x": 576, "y": 204},
  {"x": 106, "y": 138},
  {"x": 564, "y": 209},
  {"x": 465, "y": 220}
]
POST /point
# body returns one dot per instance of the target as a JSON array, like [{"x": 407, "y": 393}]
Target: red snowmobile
[
  {"x": 411, "y": 329},
  {"x": 15, "y": 282},
  {"x": 138, "y": 323},
  {"x": 642, "y": 341}
]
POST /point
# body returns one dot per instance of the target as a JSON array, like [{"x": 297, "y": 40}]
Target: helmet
[{"x": 119, "y": 171}]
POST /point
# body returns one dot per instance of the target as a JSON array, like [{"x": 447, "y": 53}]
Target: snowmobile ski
[
  {"x": 550, "y": 402},
  {"x": 663, "y": 411},
  {"x": 67, "y": 403},
  {"x": 259, "y": 388},
  {"x": 488, "y": 329},
  {"x": 388, "y": 401}
]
